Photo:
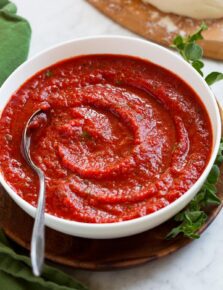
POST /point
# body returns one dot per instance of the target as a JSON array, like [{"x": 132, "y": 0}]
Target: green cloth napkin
[
  {"x": 16, "y": 273},
  {"x": 15, "y": 269},
  {"x": 15, "y": 34}
]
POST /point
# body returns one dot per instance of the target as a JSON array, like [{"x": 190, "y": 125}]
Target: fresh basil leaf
[
  {"x": 178, "y": 42},
  {"x": 214, "y": 174},
  {"x": 193, "y": 51},
  {"x": 210, "y": 187},
  {"x": 191, "y": 234},
  {"x": 3, "y": 3},
  {"x": 180, "y": 216},
  {"x": 15, "y": 34},
  {"x": 10, "y": 8},
  {"x": 213, "y": 78},
  {"x": 212, "y": 199},
  {"x": 192, "y": 223},
  {"x": 198, "y": 65},
  {"x": 219, "y": 160},
  {"x": 221, "y": 146},
  {"x": 198, "y": 34},
  {"x": 174, "y": 232},
  {"x": 194, "y": 216},
  {"x": 198, "y": 199}
]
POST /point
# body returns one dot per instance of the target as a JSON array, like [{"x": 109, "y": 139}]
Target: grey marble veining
[{"x": 198, "y": 266}]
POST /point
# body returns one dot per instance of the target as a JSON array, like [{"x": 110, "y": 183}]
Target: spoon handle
[{"x": 38, "y": 235}]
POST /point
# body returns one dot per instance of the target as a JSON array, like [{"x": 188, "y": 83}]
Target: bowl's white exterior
[{"x": 126, "y": 46}]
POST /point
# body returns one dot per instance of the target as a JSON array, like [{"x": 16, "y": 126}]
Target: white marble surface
[{"x": 199, "y": 266}]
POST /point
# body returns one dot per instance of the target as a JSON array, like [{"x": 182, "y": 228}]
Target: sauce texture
[{"x": 121, "y": 138}]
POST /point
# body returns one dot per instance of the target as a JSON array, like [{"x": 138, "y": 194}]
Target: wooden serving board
[
  {"x": 97, "y": 254},
  {"x": 151, "y": 23}
]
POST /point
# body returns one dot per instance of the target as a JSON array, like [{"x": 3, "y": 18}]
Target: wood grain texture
[
  {"x": 149, "y": 22},
  {"x": 96, "y": 254}
]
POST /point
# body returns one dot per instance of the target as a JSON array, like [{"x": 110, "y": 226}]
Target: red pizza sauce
[{"x": 122, "y": 138}]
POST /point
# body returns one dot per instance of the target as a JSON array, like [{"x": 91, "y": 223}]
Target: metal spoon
[{"x": 38, "y": 234}]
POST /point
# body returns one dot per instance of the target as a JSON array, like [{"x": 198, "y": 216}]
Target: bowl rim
[{"x": 133, "y": 222}]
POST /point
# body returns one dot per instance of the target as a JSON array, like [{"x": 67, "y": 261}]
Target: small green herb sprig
[
  {"x": 193, "y": 53},
  {"x": 193, "y": 217},
  {"x": 48, "y": 73},
  {"x": 86, "y": 135}
]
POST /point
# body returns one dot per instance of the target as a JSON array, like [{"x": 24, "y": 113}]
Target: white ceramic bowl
[{"x": 126, "y": 46}]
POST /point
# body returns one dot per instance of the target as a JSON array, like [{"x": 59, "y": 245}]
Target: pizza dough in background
[{"x": 199, "y": 9}]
